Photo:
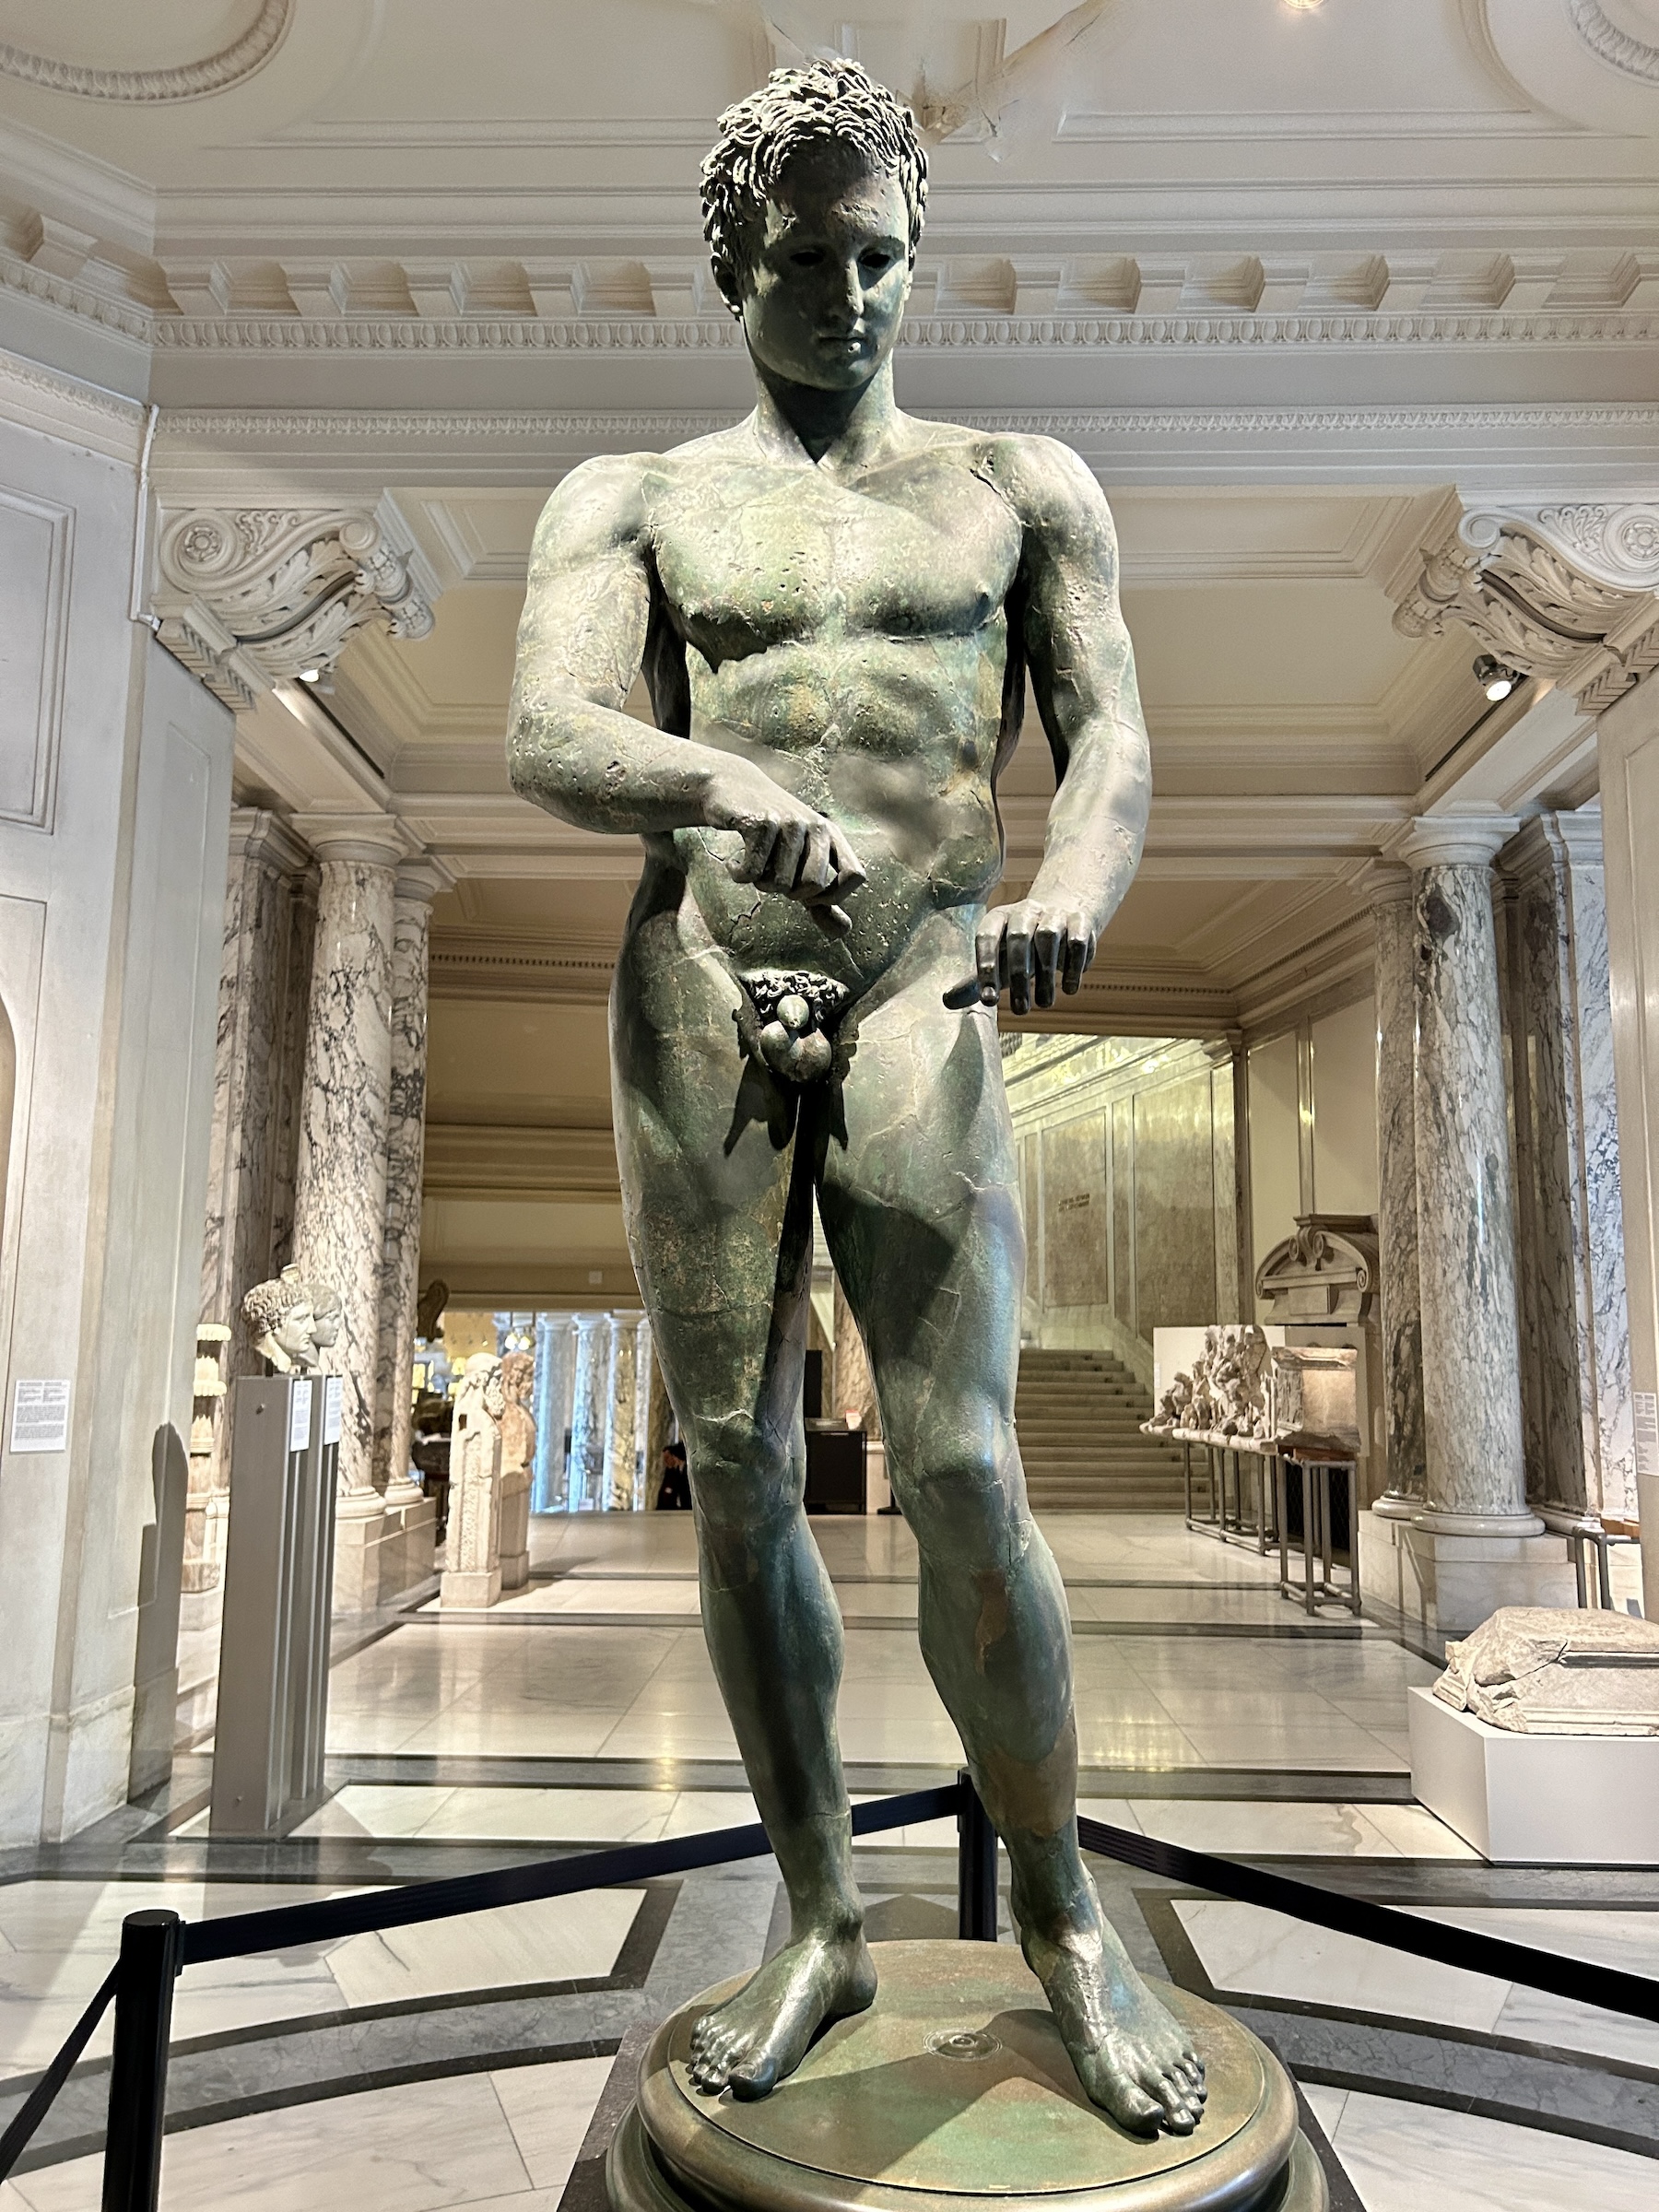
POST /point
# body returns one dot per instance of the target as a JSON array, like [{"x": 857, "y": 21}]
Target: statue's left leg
[{"x": 919, "y": 1210}]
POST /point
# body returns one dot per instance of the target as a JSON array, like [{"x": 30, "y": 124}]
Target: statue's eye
[
  {"x": 876, "y": 262},
  {"x": 808, "y": 257}
]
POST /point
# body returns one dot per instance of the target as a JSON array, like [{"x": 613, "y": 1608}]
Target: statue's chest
[{"x": 767, "y": 557}]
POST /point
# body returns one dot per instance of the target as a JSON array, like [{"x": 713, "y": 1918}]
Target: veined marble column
[
  {"x": 263, "y": 977},
  {"x": 1476, "y": 1475},
  {"x": 1626, "y": 743},
  {"x": 418, "y": 884},
  {"x": 621, "y": 1436},
  {"x": 589, "y": 1412},
  {"x": 554, "y": 1375},
  {"x": 1402, "y": 1325},
  {"x": 340, "y": 1189},
  {"x": 1580, "y": 1444}
]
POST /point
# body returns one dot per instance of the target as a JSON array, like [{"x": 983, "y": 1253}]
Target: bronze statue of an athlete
[{"x": 836, "y": 608}]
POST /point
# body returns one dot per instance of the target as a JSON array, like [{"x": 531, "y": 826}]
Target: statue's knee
[
  {"x": 741, "y": 1476},
  {"x": 965, "y": 1502}
]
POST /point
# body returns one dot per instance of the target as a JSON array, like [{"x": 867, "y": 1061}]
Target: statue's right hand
[{"x": 788, "y": 847}]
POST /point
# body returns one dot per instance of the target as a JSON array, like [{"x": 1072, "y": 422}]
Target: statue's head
[{"x": 813, "y": 199}]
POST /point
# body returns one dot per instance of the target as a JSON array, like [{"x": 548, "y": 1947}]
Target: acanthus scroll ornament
[
  {"x": 248, "y": 596},
  {"x": 1568, "y": 590},
  {"x": 191, "y": 80}
]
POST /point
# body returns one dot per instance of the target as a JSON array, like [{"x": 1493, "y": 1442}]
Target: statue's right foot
[
  {"x": 1133, "y": 2057},
  {"x": 755, "y": 2038}
]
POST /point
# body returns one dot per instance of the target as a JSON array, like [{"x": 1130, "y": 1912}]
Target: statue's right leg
[{"x": 718, "y": 1204}]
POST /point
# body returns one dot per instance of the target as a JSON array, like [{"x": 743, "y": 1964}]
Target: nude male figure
[{"x": 836, "y": 607}]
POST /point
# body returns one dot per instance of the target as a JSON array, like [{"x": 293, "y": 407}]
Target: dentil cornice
[
  {"x": 1568, "y": 590},
  {"x": 248, "y": 596}
]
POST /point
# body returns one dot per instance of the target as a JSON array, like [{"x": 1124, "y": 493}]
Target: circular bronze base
[{"x": 952, "y": 2089}]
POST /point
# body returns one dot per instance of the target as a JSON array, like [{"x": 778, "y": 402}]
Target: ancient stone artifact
[
  {"x": 293, "y": 1321},
  {"x": 838, "y": 608},
  {"x": 1541, "y": 1672},
  {"x": 518, "y": 1460},
  {"x": 472, "y": 1570}
]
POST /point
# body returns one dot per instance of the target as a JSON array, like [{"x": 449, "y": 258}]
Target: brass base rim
[{"x": 637, "y": 2181}]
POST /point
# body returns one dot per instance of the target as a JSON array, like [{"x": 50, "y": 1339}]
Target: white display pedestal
[{"x": 1537, "y": 1800}]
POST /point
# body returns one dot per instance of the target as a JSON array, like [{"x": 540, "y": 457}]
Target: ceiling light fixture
[
  {"x": 1494, "y": 679},
  {"x": 1304, "y": 7},
  {"x": 311, "y": 676}
]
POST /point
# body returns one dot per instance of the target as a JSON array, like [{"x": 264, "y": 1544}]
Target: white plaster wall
[
  {"x": 1345, "y": 1110},
  {"x": 1275, "y": 1157},
  {"x": 111, "y": 880}
]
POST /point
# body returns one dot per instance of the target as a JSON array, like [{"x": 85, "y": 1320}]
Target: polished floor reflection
[{"x": 459, "y": 2063}]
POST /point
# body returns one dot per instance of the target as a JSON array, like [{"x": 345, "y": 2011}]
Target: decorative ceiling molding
[
  {"x": 1568, "y": 591},
  {"x": 246, "y": 598},
  {"x": 1630, "y": 57},
  {"x": 192, "y": 80}
]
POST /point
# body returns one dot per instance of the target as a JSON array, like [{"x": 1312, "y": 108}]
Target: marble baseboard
[
  {"x": 472, "y": 1589},
  {"x": 1430, "y": 1584},
  {"x": 380, "y": 1556},
  {"x": 1537, "y": 1800}
]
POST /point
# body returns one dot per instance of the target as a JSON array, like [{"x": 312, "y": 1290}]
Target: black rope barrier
[
  {"x": 238, "y": 1932},
  {"x": 38, "y": 2103},
  {"x": 1606, "y": 1986}
]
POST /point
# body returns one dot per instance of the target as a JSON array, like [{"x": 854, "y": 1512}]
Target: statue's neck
[{"x": 844, "y": 429}]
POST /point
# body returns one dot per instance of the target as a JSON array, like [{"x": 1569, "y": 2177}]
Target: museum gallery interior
[{"x": 829, "y": 1106}]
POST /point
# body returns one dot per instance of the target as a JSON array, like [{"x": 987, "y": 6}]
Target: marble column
[
  {"x": 340, "y": 1187},
  {"x": 621, "y": 1436},
  {"x": 1476, "y": 1475},
  {"x": 589, "y": 1412},
  {"x": 554, "y": 1375},
  {"x": 1580, "y": 1444},
  {"x": 1402, "y": 1323},
  {"x": 265, "y": 975},
  {"x": 1627, "y": 738},
  {"x": 418, "y": 883}
]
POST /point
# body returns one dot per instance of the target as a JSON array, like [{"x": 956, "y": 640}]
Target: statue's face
[
  {"x": 296, "y": 1331},
  {"x": 824, "y": 293}
]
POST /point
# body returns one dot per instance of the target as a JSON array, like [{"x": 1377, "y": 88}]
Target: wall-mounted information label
[
  {"x": 299, "y": 1416},
  {"x": 40, "y": 1416},
  {"x": 331, "y": 1409},
  {"x": 1646, "y": 1406}
]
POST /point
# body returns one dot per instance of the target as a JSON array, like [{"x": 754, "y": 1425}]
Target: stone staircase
[{"x": 1079, "y": 1415}]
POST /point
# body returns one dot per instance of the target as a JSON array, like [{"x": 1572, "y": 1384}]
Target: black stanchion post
[
  {"x": 151, "y": 1948},
  {"x": 976, "y": 1865}
]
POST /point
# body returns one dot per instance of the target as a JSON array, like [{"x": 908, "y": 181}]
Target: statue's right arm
[{"x": 570, "y": 747}]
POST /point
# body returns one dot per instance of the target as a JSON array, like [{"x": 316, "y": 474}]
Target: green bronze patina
[{"x": 836, "y": 609}]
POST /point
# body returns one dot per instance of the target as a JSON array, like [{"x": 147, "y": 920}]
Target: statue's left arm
[{"x": 1082, "y": 668}]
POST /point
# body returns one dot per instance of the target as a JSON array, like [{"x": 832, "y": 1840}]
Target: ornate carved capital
[
  {"x": 1569, "y": 591},
  {"x": 247, "y": 596}
]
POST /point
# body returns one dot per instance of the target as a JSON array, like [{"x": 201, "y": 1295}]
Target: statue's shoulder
[{"x": 1042, "y": 477}]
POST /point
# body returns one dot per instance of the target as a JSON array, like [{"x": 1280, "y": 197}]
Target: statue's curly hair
[
  {"x": 830, "y": 102},
  {"x": 266, "y": 1305}
]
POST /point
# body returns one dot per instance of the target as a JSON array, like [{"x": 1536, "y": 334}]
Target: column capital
[
  {"x": 258, "y": 834},
  {"x": 1546, "y": 843},
  {"x": 421, "y": 878},
  {"x": 374, "y": 841},
  {"x": 1567, "y": 590},
  {"x": 248, "y": 596},
  {"x": 1451, "y": 840},
  {"x": 1386, "y": 883}
]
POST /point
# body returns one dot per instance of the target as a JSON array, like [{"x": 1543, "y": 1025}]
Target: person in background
[{"x": 674, "y": 1492}]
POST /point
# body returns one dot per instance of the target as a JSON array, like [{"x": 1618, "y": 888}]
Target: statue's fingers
[
  {"x": 851, "y": 873},
  {"x": 1045, "y": 946},
  {"x": 1019, "y": 956},
  {"x": 990, "y": 960},
  {"x": 965, "y": 994},
  {"x": 1075, "y": 956},
  {"x": 834, "y": 918},
  {"x": 787, "y": 855},
  {"x": 817, "y": 870},
  {"x": 758, "y": 838}
]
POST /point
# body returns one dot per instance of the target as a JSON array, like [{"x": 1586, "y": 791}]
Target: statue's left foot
[
  {"x": 752, "y": 2041},
  {"x": 1133, "y": 2057}
]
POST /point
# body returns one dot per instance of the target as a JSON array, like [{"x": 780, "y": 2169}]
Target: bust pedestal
[{"x": 953, "y": 2093}]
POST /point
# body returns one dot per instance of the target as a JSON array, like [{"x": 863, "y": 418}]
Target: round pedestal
[{"x": 953, "y": 2089}]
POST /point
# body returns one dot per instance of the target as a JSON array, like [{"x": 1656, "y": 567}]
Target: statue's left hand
[{"x": 1024, "y": 949}]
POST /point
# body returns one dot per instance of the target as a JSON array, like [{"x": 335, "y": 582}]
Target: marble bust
[
  {"x": 292, "y": 1322},
  {"x": 839, "y": 609}
]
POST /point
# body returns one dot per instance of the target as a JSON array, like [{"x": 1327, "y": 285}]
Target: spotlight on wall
[
  {"x": 1303, "y": 7},
  {"x": 1494, "y": 679},
  {"x": 311, "y": 676}
]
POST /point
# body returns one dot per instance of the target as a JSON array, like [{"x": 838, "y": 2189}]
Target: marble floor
[{"x": 459, "y": 2062}]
